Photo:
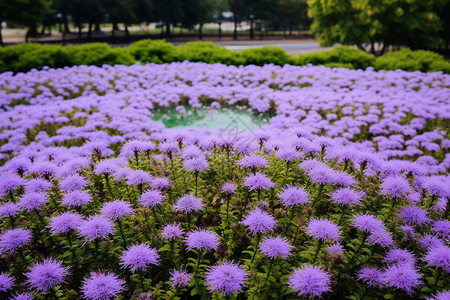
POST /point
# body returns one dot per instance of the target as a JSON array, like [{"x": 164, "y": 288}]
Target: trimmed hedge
[
  {"x": 339, "y": 56},
  {"x": 24, "y": 57},
  {"x": 419, "y": 60}
]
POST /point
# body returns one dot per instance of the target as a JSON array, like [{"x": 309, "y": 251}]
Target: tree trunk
[
  {"x": 1, "y": 36},
  {"x": 89, "y": 31},
  {"x": 385, "y": 44},
  {"x": 235, "y": 30},
  {"x": 97, "y": 28},
  {"x": 80, "y": 33},
  {"x": 220, "y": 31},
  {"x": 251, "y": 30},
  {"x": 284, "y": 32},
  {"x": 200, "y": 35},
  {"x": 167, "y": 29},
  {"x": 372, "y": 47},
  {"x": 290, "y": 27},
  {"x": 66, "y": 24}
]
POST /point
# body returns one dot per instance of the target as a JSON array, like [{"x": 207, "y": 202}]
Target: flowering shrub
[{"x": 343, "y": 195}]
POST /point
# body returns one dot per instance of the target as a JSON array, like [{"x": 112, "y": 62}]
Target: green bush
[
  {"x": 408, "y": 60},
  {"x": 266, "y": 55},
  {"x": 342, "y": 55},
  {"x": 207, "y": 52},
  {"x": 155, "y": 51},
  {"x": 98, "y": 54},
  {"x": 23, "y": 57}
]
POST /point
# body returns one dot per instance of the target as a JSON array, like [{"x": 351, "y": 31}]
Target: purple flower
[
  {"x": 46, "y": 275},
  {"x": 188, "y": 204},
  {"x": 161, "y": 183},
  {"x": 367, "y": 223},
  {"x": 294, "y": 196},
  {"x": 373, "y": 277},
  {"x": 413, "y": 215},
  {"x": 403, "y": 277},
  {"x": 37, "y": 185},
  {"x": 172, "y": 231},
  {"x": 117, "y": 209},
  {"x": 381, "y": 237},
  {"x": 322, "y": 174},
  {"x": 64, "y": 222},
  {"x": 102, "y": 286},
  {"x": 136, "y": 147},
  {"x": 76, "y": 198},
  {"x": 228, "y": 188},
  {"x": 73, "y": 183},
  {"x": 399, "y": 256},
  {"x": 259, "y": 221},
  {"x": 395, "y": 186},
  {"x": 8, "y": 209},
  {"x": 6, "y": 282},
  {"x": 274, "y": 247},
  {"x": 253, "y": 161},
  {"x": 444, "y": 295},
  {"x": 180, "y": 278},
  {"x": 152, "y": 198},
  {"x": 430, "y": 241},
  {"x": 336, "y": 249},
  {"x": 323, "y": 230},
  {"x": 202, "y": 240},
  {"x": 95, "y": 227},
  {"x": 347, "y": 196},
  {"x": 14, "y": 239},
  {"x": 137, "y": 177},
  {"x": 23, "y": 296},
  {"x": 310, "y": 281},
  {"x": 9, "y": 182},
  {"x": 442, "y": 228},
  {"x": 258, "y": 181},
  {"x": 31, "y": 201},
  {"x": 226, "y": 278},
  {"x": 139, "y": 257},
  {"x": 196, "y": 164},
  {"x": 439, "y": 257}
]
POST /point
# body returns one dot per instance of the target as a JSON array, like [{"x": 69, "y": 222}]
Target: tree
[
  {"x": 236, "y": 9},
  {"x": 292, "y": 12},
  {"x": 413, "y": 23},
  {"x": 25, "y": 12}
]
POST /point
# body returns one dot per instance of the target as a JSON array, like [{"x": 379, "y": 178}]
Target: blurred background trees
[{"x": 371, "y": 25}]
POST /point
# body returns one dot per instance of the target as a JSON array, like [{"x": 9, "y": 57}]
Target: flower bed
[{"x": 343, "y": 193}]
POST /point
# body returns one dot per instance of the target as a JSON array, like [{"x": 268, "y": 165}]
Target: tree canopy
[{"x": 414, "y": 23}]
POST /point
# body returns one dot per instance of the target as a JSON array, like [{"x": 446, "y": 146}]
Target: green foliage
[
  {"x": 207, "y": 52},
  {"x": 24, "y": 57},
  {"x": 408, "y": 60},
  {"x": 155, "y": 51},
  {"x": 267, "y": 55},
  {"x": 414, "y": 23},
  {"x": 339, "y": 57},
  {"x": 98, "y": 54}
]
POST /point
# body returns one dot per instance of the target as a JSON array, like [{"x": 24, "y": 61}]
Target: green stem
[
  {"x": 11, "y": 195},
  {"x": 317, "y": 251},
  {"x": 198, "y": 263},
  {"x": 196, "y": 183},
  {"x": 319, "y": 193},
  {"x": 268, "y": 273},
  {"x": 342, "y": 215},
  {"x": 228, "y": 208},
  {"x": 141, "y": 278},
  {"x": 119, "y": 222},
  {"x": 258, "y": 238},
  {"x": 189, "y": 221}
]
